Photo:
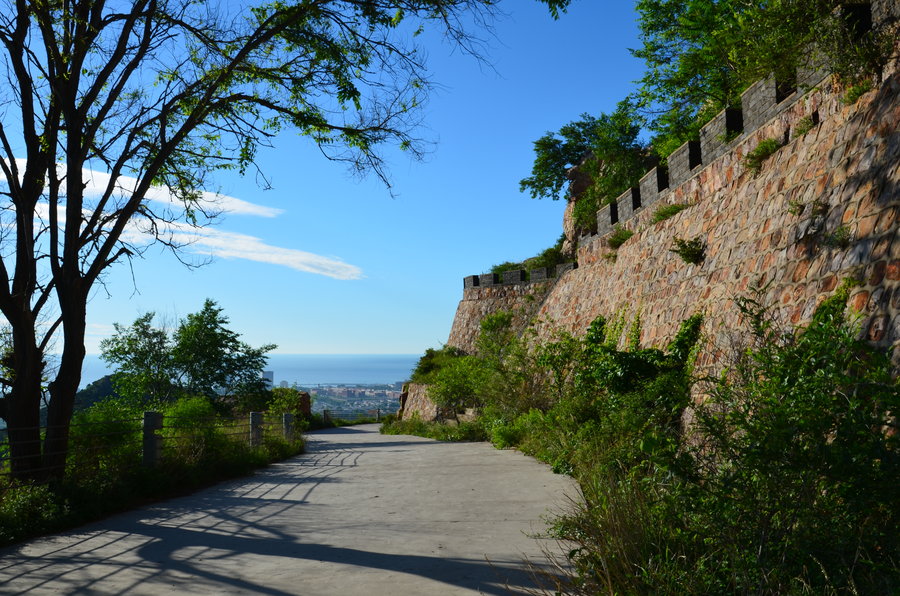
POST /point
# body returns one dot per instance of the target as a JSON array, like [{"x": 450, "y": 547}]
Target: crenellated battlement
[
  {"x": 762, "y": 102},
  {"x": 517, "y": 276},
  {"x": 823, "y": 207}
]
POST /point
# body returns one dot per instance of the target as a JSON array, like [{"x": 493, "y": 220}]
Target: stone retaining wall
[{"x": 780, "y": 229}]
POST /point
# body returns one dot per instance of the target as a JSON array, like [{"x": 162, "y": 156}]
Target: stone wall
[
  {"x": 780, "y": 229},
  {"x": 521, "y": 299},
  {"x": 822, "y": 208}
]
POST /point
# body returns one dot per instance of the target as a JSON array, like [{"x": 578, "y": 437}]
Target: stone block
[
  {"x": 471, "y": 281},
  {"x": 488, "y": 279},
  {"x": 885, "y": 12},
  {"x": 717, "y": 135},
  {"x": 653, "y": 184},
  {"x": 539, "y": 274},
  {"x": 628, "y": 202},
  {"x": 764, "y": 99},
  {"x": 562, "y": 268},
  {"x": 515, "y": 277},
  {"x": 605, "y": 220},
  {"x": 682, "y": 163}
]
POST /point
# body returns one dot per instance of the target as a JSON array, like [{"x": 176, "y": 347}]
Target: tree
[
  {"x": 690, "y": 48},
  {"x": 203, "y": 357},
  {"x": 108, "y": 103},
  {"x": 702, "y": 54},
  {"x": 606, "y": 148},
  {"x": 142, "y": 354},
  {"x": 210, "y": 360}
]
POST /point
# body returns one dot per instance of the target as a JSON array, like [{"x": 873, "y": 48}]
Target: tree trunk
[
  {"x": 23, "y": 415},
  {"x": 62, "y": 392}
]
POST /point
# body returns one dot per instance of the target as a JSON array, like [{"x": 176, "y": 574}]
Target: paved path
[{"x": 360, "y": 513}]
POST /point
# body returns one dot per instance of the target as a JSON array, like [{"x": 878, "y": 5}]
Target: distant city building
[
  {"x": 283, "y": 384},
  {"x": 269, "y": 377}
]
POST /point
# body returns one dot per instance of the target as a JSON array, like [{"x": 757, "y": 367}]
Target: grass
[
  {"x": 618, "y": 237},
  {"x": 755, "y": 158},
  {"x": 839, "y": 239},
  {"x": 664, "y": 212},
  {"x": 440, "y": 431},
  {"x": 804, "y": 125},
  {"x": 856, "y": 91}
]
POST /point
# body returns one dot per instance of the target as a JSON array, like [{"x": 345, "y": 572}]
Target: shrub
[
  {"x": 691, "y": 251},
  {"x": 787, "y": 483},
  {"x": 549, "y": 258},
  {"x": 804, "y": 125},
  {"x": 464, "y": 431},
  {"x": 840, "y": 238},
  {"x": 432, "y": 361},
  {"x": 664, "y": 212},
  {"x": 618, "y": 237},
  {"x": 854, "y": 92},
  {"x": 104, "y": 472},
  {"x": 28, "y": 510},
  {"x": 755, "y": 158},
  {"x": 458, "y": 385},
  {"x": 506, "y": 266}
]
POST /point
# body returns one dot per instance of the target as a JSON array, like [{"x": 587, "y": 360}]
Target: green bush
[
  {"x": 840, "y": 238},
  {"x": 618, "y": 237},
  {"x": 432, "y": 361},
  {"x": 464, "y": 431},
  {"x": 549, "y": 258},
  {"x": 786, "y": 483},
  {"x": 804, "y": 125},
  {"x": 104, "y": 472},
  {"x": 755, "y": 158},
  {"x": 691, "y": 251},
  {"x": 854, "y": 92},
  {"x": 664, "y": 212},
  {"x": 458, "y": 385},
  {"x": 28, "y": 510}
]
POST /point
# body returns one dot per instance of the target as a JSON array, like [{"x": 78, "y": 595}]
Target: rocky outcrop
[{"x": 414, "y": 402}]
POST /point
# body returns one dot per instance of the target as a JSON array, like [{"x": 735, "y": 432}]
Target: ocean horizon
[{"x": 308, "y": 369}]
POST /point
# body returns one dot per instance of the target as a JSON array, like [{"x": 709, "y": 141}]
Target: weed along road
[{"x": 359, "y": 513}]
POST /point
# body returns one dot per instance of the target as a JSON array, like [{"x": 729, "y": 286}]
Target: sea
[{"x": 309, "y": 369}]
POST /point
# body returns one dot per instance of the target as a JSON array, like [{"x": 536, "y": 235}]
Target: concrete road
[{"x": 360, "y": 513}]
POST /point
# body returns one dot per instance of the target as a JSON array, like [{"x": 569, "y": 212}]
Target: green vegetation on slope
[{"x": 784, "y": 482}]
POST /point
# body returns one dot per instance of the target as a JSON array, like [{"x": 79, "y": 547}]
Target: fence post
[
  {"x": 255, "y": 429},
  {"x": 153, "y": 421},
  {"x": 326, "y": 416},
  {"x": 287, "y": 424},
  {"x": 378, "y": 415}
]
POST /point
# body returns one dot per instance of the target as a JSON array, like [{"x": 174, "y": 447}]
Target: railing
[{"x": 124, "y": 443}]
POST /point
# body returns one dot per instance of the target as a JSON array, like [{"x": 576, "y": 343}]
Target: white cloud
[
  {"x": 233, "y": 245},
  {"x": 217, "y": 242},
  {"x": 98, "y": 181}
]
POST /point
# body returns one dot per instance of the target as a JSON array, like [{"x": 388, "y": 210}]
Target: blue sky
[{"x": 391, "y": 268}]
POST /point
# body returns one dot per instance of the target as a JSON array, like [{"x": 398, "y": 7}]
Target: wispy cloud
[
  {"x": 216, "y": 242},
  {"x": 97, "y": 183},
  {"x": 234, "y": 245}
]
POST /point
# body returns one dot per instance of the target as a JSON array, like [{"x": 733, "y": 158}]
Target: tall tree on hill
[{"x": 106, "y": 103}]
